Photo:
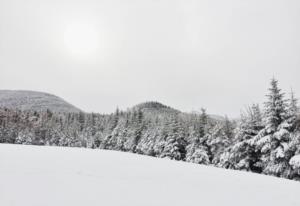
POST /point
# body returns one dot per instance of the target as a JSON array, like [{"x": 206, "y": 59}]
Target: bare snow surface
[{"x": 57, "y": 176}]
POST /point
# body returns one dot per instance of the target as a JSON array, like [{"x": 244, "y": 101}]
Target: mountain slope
[
  {"x": 155, "y": 108},
  {"x": 34, "y": 176},
  {"x": 31, "y": 100}
]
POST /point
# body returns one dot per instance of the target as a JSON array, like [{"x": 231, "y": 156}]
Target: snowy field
[{"x": 53, "y": 176}]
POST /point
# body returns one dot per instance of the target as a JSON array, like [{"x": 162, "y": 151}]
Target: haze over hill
[
  {"x": 36, "y": 101},
  {"x": 32, "y": 100}
]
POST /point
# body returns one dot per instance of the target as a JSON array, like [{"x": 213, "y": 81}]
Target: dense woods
[{"x": 262, "y": 141}]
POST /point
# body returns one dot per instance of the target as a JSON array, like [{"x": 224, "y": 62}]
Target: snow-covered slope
[
  {"x": 35, "y": 176},
  {"x": 153, "y": 107},
  {"x": 31, "y": 100}
]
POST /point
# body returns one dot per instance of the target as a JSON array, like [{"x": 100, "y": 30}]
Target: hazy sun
[{"x": 81, "y": 39}]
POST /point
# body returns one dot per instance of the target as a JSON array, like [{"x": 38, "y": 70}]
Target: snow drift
[{"x": 35, "y": 176}]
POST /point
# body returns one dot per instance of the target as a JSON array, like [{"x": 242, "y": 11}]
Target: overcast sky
[{"x": 187, "y": 54}]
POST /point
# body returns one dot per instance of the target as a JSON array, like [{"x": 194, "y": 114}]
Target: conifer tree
[
  {"x": 175, "y": 143},
  {"x": 275, "y": 107},
  {"x": 293, "y": 112},
  {"x": 197, "y": 150},
  {"x": 241, "y": 155},
  {"x": 272, "y": 143}
]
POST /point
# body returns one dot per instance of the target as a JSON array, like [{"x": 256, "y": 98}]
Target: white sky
[{"x": 187, "y": 54}]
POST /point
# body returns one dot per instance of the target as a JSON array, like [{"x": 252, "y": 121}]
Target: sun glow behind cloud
[
  {"x": 188, "y": 54},
  {"x": 82, "y": 39}
]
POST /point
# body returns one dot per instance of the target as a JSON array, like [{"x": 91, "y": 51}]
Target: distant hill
[
  {"x": 36, "y": 101},
  {"x": 152, "y": 106}
]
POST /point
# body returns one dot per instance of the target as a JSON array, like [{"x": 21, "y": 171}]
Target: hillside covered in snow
[
  {"x": 32, "y": 100},
  {"x": 74, "y": 176}
]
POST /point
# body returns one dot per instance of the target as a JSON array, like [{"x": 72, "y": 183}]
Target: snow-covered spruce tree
[
  {"x": 24, "y": 137},
  {"x": 197, "y": 151},
  {"x": 272, "y": 143},
  {"x": 292, "y": 112},
  {"x": 294, "y": 162},
  {"x": 203, "y": 123},
  {"x": 294, "y": 145},
  {"x": 150, "y": 138},
  {"x": 136, "y": 129},
  {"x": 122, "y": 134},
  {"x": 228, "y": 128},
  {"x": 81, "y": 120},
  {"x": 115, "y": 140},
  {"x": 241, "y": 155},
  {"x": 146, "y": 144},
  {"x": 256, "y": 120},
  {"x": 139, "y": 127},
  {"x": 108, "y": 141},
  {"x": 160, "y": 141},
  {"x": 218, "y": 139},
  {"x": 275, "y": 108},
  {"x": 174, "y": 145}
]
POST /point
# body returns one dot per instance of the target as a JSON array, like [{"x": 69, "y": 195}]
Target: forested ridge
[{"x": 263, "y": 140}]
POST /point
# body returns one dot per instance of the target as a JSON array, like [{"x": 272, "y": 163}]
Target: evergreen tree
[
  {"x": 272, "y": 143},
  {"x": 219, "y": 138},
  {"x": 203, "y": 122},
  {"x": 292, "y": 112},
  {"x": 175, "y": 143},
  {"x": 228, "y": 128},
  {"x": 275, "y": 107},
  {"x": 81, "y": 120},
  {"x": 242, "y": 155},
  {"x": 197, "y": 150}
]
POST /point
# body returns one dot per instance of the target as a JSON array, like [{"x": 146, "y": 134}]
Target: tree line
[{"x": 262, "y": 141}]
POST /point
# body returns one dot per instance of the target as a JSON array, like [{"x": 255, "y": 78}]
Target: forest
[{"x": 263, "y": 140}]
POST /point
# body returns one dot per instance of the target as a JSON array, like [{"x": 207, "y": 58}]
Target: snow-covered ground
[{"x": 57, "y": 176}]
